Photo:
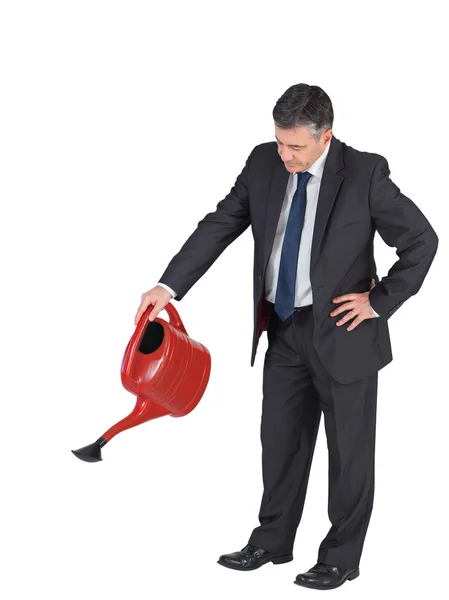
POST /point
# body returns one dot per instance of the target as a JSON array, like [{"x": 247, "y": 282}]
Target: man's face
[{"x": 298, "y": 149}]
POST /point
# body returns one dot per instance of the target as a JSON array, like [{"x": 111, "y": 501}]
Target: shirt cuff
[{"x": 167, "y": 288}]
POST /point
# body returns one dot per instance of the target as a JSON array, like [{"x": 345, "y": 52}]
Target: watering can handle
[{"x": 174, "y": 318}]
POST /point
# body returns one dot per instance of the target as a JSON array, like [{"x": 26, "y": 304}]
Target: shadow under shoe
[{"x": 251, "y": 557}]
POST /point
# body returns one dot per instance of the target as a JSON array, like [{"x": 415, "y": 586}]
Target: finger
[
  {"x": 340, "y": 309},
  {"x": 346, "y": 297},
  {"x": 137, "y": 317},
  {"x": 350, "y": 315},
  {"x": 156, "y": 310},
  {"x": 355, "y": 323},
  {"x": 141, "y": 310}
]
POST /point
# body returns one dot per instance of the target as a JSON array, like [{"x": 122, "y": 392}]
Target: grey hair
[{"x": 304, "y": 105}]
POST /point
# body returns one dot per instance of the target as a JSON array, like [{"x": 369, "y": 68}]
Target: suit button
[{"x": 260, "y": 277}]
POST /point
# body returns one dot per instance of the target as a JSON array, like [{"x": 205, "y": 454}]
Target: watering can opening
[{"x": 152, "y": 338}]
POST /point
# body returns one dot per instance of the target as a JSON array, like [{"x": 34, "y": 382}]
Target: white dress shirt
[
  {"x": 167, "y": 288},
  {"x": 303, "y": 288}
]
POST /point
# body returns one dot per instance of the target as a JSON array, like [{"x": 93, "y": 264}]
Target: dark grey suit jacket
[{"x": 356, "y": 198}]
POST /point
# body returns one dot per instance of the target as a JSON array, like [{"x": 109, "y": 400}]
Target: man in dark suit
[{"x": 314, "y": 204}]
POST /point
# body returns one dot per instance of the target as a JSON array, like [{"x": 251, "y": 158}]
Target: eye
[{"x": 296, "y": 149}]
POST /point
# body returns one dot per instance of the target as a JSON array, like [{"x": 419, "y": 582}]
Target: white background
[{"x": 122, "y": 125}]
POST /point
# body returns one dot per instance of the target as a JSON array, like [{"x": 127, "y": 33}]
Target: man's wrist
[{"x": 172, "y": 292}]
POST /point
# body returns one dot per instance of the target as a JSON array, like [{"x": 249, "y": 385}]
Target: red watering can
[{"x": 166, "y": 369}]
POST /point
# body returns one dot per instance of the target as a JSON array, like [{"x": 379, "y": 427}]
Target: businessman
[{"x": 314, "y": 204}]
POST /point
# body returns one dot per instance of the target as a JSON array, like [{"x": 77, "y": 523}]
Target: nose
[{"x": 286, "y": 157}]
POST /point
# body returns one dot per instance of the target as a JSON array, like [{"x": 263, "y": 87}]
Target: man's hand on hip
[{"x": 359, "y": 308}]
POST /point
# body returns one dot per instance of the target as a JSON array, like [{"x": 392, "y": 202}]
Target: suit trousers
[{"x": 296, "y": 389}]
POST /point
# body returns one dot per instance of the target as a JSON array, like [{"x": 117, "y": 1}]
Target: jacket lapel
[{"x": 330, "y": 185}]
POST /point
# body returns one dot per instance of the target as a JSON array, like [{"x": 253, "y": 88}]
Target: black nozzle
[{"x": 91, "y": 453}]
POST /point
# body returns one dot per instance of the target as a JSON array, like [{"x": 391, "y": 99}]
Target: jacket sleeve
[
  {"x": 213, "y": 234},
  {"x": 402, "y": 225}
]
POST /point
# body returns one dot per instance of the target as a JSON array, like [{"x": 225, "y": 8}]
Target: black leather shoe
[
  {"x": 326, "y": 577},
  {"x": 251, "y": 557}
]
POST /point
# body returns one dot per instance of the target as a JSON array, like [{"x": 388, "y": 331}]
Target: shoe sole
[
  {"x": 277, "y": 560},
  {"x": 328, "y": 587}
]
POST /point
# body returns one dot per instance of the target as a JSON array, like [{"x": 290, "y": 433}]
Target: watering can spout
[
  {"x": 91, "y": 453},
  {"x": 145, "y": 410}
]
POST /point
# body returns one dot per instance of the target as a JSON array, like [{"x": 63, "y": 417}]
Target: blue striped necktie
[{"x": 285, "y": 292}]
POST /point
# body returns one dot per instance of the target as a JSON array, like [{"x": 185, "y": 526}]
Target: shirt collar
[{"x": 317, "y": 167}]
